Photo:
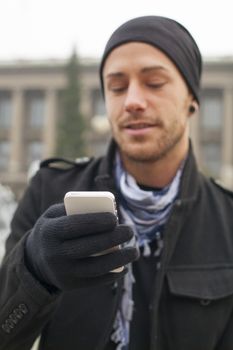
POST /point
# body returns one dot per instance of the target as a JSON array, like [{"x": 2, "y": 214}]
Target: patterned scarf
[{"x": 146, "y": 212}]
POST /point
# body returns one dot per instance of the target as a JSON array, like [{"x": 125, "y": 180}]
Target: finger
[
  {"x": 103, "y": 264},
  {"x": 80, "y": 225},
  {"x": 97, "y": 243},
  {"x": 55, "y": 211}
]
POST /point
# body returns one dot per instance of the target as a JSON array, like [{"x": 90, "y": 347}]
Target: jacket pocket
[
  {"x": 196, "y": 307},
  {"x": 202, "y": 283}
]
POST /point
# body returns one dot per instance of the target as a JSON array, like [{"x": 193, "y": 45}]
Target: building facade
[{"x": 30, "y": 110}]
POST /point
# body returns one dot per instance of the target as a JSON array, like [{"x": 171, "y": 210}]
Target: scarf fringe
[{"x": 146, "y": 249}]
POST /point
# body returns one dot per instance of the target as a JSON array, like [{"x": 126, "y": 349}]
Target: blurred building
[{"x": 29, "y": 112}]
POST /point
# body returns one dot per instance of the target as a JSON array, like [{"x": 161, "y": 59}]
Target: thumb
[{"x": 55, "y": 211}]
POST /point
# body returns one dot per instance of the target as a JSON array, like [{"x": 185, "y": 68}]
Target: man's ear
[{"x": 193, "y": 108}]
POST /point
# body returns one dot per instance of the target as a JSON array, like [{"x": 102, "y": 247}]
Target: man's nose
[{"x": 135, "y": 98}]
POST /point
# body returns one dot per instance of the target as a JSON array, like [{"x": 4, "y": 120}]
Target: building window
[
  {"x": 5, "y": 109},
  {"x": 98, "y": 104},
  {"x": 212, "y": 158},
  {"x": 35, "y": 107},
  {"x": 35, "y": 151},
  {"x": 212, "y": 110},
  {"x": 211, "y": 122},
  {"x": 4, "y": 154}
]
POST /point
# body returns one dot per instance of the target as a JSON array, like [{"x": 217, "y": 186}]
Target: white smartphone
[{"x": 81, "y": 202}]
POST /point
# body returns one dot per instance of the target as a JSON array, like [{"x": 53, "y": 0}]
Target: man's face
[{"x": 147, "y": 102}]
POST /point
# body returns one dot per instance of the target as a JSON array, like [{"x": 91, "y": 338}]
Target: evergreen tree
[{"x": 72, "y": 124}]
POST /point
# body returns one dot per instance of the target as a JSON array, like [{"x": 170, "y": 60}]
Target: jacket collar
[
  {"x": 190, "y": 179},
  {"x": 106, "y": 165},
  {"x": 105, "y": 180}
]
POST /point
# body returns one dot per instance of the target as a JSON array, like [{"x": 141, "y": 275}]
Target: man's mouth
[{"x": 138, "y": 126}]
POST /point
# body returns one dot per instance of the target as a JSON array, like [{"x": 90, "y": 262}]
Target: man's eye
[
  {"x": 117, "y": 88},
  {"x": 155, "y": 85}
]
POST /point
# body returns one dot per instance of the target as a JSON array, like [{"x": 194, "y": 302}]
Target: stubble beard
[{"x": 139, "y": 151}]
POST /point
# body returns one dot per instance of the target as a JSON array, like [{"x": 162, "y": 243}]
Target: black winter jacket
[{"x": 193, "y": 296}]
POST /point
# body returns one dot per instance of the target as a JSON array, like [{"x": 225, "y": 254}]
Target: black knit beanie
[{"x": 167, "y": 35}]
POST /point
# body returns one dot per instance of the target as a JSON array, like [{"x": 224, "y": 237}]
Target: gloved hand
[{"x": 59, "y": 248}]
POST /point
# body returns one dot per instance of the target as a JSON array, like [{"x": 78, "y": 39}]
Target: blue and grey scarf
[{"x": 146, "y": 212}]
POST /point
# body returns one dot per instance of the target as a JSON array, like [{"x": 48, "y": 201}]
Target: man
[{"x": 179, "y": 293}]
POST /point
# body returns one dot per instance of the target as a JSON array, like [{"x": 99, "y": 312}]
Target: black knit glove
[{"x": 59, "y": 249}]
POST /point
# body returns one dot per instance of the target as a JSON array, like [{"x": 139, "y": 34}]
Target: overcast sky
[{"x": 44, "y": 29}]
